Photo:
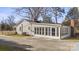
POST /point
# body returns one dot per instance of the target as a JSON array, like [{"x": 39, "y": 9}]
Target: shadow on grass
[
  {"x": 72, "y": 38},
  {"x": 13, "y": 46}
]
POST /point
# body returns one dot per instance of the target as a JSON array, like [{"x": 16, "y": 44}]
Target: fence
[{"x": 7, "y": 32}]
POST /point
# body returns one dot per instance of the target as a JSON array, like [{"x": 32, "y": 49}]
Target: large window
[
  {"x": 39, "y": 30},
  {"x": 35, "y": 30},
  {"x": 42, "y": 30},
  {"x": 46, "y": 30},
  {"x": 64, "y": 31},
  {"x": 53, "y": 31},
  {"x": 49, "y": 31}
]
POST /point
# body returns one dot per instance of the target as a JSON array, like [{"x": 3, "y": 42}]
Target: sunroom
[{"x": 54, "y": 31}]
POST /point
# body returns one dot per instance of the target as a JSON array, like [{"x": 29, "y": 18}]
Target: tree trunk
[{"x": 56, "y": 17}]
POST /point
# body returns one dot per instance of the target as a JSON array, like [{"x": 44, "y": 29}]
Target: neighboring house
[
  {"x": 54, "y": 31},
  {"x": 74, "y": 24}
]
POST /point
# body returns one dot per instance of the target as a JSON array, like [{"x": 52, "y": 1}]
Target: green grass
[{"x": 10, "y": 48}]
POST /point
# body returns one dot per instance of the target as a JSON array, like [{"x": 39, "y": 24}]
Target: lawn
[
  {"x": 19, "y": 36},
  {"x": 10, "y": 48},
  {"x": 75, "y": 39}
]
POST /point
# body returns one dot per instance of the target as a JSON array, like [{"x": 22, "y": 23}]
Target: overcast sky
[{"x": 6, "y": 11}]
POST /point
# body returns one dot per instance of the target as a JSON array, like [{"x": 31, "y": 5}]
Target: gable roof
[
  {"x": 28, "y": 21},
  {"x": 36, "y": 22},
  {"x": 23, "y": 20}
]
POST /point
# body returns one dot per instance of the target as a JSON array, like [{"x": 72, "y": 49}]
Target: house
[
  {"x": 48, "y": 30},
  {"x": 74, "y": 24}
]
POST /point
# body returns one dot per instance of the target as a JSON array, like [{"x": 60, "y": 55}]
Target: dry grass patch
[
  {"x": 73, "y": 39},
  {"x": 19, "y": 36}
]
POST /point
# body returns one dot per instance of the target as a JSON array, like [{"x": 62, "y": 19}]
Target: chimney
[
  {"x": 32, "y": 20},
  {"x": 72, "y": 23}
]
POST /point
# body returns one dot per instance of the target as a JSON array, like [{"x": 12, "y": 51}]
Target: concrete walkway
[{"x": 38, "y": 44}]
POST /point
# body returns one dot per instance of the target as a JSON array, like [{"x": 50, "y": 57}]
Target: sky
[
  {"x": 6, "y": 11},
  {"x": 60, "y": 20}
]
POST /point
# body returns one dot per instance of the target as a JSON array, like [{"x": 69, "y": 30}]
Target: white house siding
[
  {"x": 29, "y": 28},
  {"x": 25, "y": 24}
]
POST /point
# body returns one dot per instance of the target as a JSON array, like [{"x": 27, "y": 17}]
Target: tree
[
  {"x": 11, "y": 20},
  {"x": 8, "y": 23},
  {"x": 66, "y": 22},
  {"x": 3, "y": 24},
  {"x": 29, "y": 12},
  {"x": 72, "y": 14},
  {"x": 57, "y": 12},
  {"x": 46, "y": 12},
  {"x": 47, "y": 19},
  {"x": 34, "y": 12}
]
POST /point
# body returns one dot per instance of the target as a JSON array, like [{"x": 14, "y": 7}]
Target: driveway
[
  {"x": 38, "y": 44},
  {"x": 76, "y": 47}
]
